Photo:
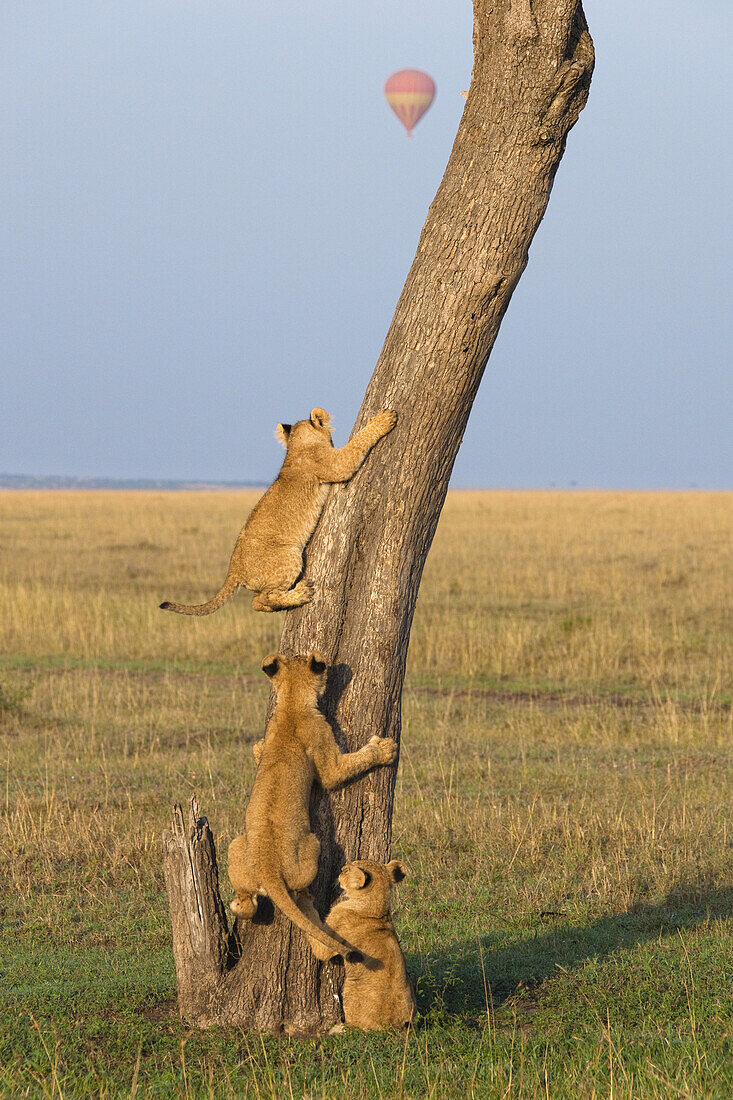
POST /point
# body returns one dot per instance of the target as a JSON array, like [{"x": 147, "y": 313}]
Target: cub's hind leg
[
  {"x": 301, "y": 865},
  {"x": 241, "y": 878},
  {"x": 277, "y": 592},
  {"x": 279, "y": 599}
]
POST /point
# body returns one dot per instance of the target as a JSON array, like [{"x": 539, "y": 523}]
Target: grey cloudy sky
[{"x": 207, "y": 212}]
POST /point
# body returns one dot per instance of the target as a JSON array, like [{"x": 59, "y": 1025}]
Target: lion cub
[
  {"x": 378, "y": 996},
  {"x": 279, "y": 853},
  {"x": 268, "y": 554}
]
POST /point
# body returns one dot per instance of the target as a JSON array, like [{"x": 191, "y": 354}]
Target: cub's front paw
[
  {"x": 243, "y": 906},
  {"x": 384, "y": 421},
  {"x": 386, "y": 749},
  {"x": 307, "y": 590}
]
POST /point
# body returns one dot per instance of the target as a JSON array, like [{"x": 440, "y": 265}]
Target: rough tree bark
[{"x": 533, "y": 61}]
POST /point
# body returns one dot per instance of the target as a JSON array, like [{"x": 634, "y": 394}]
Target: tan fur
[
  {"x": 278, "y": 855},
  {"x": 377, "y": 992},
  {"x": 268, "y": 555}
]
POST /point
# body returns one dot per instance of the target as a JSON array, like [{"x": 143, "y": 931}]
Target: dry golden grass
[
  {"x": 579, "y": 589},
  {"x": 566, "y": 751}
]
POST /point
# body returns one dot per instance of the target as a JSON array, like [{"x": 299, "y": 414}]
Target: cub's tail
[
  {"x": 279, "y": 893},
  {"x": 226, "y": 591}
]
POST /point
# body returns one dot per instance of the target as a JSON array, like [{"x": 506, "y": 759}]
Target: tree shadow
[{"x": 462, "y": 973}]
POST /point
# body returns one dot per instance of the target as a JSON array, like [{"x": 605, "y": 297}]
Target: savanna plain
[{"x": 563, "y": 799}]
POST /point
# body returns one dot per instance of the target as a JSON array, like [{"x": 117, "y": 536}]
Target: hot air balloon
[{"x": 409, "y": 93}]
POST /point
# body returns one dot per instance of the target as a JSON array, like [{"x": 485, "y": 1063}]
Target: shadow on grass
[{"x": 455, "y": 981}]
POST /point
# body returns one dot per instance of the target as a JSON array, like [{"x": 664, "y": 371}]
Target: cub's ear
[
  {"x": 357, "y": 878},
  {"x": 396, "y": 870},
  {"x": 271, "y": 664},
  {"x": 320, "y": 418},
  {"x": 316, "y": 663},
  {"x": 282, "y": 432}
]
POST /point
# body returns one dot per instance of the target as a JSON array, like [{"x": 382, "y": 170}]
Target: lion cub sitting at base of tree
[
  {"x": 278, "y": 856},
  {"x": 268, "y": 554},
  {"x": 374, "y": 996}
]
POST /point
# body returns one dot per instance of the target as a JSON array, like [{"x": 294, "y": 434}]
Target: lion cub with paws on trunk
[
  {"x": 278, "y": 855},
  {"x": 268, "y": 554},
  {"x": 377, "y": 991}
]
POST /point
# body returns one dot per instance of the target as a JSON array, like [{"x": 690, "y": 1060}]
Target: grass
[{"x": 563, "y": 802}]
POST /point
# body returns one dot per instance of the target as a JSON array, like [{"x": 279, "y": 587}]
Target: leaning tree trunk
[{"x": 533, "y": 61}]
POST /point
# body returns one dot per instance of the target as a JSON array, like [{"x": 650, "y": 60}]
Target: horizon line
[{"x": 56, "y": 482}]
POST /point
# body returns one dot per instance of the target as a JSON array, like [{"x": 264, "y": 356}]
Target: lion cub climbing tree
[{"x": 533, "y": 61}]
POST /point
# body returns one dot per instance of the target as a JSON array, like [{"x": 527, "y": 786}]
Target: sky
[{"x": 207, "y": 213}]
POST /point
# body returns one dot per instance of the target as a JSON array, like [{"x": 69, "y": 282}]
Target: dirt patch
[{"x": 558, "y": 699}]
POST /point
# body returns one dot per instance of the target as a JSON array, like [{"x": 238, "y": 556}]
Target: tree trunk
[{"x": 533, "y": 61}]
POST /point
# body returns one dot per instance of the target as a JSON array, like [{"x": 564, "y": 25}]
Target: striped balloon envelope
[{"x": 409, "y": 93}]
